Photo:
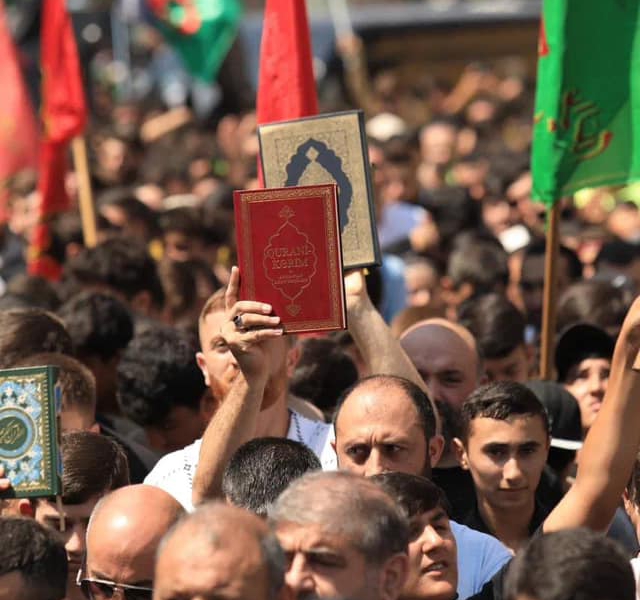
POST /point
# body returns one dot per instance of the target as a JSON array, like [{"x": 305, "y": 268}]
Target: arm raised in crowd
[
  {"x": 380, "y": 350},
  {"x": 235, "y": 421},
  {"x": 611, "y": 446}
]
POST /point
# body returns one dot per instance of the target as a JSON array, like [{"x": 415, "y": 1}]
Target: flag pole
[
  {"x": 550, "y": 293},
  {"x": 87, "y": 210}
]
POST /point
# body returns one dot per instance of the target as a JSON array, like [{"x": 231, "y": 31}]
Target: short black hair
[
  {"x": 37, "y": 553},
  {"x": 416, "y": 495},
  {"x": 158, "y": 371},
  {"x": 571, "y": 564},
  {"x": 92, "y": 465},
  {"x": 323, "y": 372},
  {"x": 27, "y": 331},
  {"x": 260, "y": 470},
  {"x": 38, "y": 292},
  {"x": 482, "y": 264},
  {"x": 99, "y": 324},
  {"x": 417, "y": 396},
  {"x": 119, "y": 263},
  {"x": 496, "y": 323},
  {"x": 597, "y": 302},
  {"x": 503, "y": 400}
]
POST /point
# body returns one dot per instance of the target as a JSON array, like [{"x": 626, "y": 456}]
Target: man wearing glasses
[{"x": 122, "y": 540}]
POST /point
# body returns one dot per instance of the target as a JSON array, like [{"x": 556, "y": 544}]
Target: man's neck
[
  {"x": 274, "y": 421},
  {"x": 510, "y": 526}
]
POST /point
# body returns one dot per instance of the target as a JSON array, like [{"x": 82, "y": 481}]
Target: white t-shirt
[
  {"x": 174, "y": 472},
  {"x": 635, "y": 565}
]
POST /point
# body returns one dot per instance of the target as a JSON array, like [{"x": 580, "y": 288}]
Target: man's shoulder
[{"x": 174, "y": 473}]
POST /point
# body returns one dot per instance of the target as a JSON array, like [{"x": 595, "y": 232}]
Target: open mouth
[{"x": 438, "y": 567}]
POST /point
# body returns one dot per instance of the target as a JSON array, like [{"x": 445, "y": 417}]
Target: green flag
[
  {"x": 200, "y": 31},
  {"x": 587, "y": 115}
]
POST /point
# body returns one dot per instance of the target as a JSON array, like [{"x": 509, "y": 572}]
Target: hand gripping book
[
  {"x": 30, "y": 405},
  {"x": 328, "y": 148},
  {"x": 289, "y": 254}
]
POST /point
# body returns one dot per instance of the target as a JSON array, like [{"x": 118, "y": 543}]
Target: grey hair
[
  {"x": 348, "y": 505},
  {"x": 204, "y": 526}
]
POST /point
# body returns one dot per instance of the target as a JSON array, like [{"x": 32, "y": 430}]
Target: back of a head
[
  {"x": 597, "y": 302},
  {"x": 77, "y": 383},
  {"x": 496, "y": 323},
  {"x": 537, "y": 249},
  {"x": 158, "y": 371},
  {"x": 323, "y": 372},
  {"x": 348, "y": 505},
  {"x": 502, "y": 401},
  {"x": 574, "y": 564},
  {"x": 93, "y": 465},
  {"x": 38, "y": 555},
  {"x": 99, "y": 324},
  {"x": 483, "y": 265},
  {"x": 36, "y": 291},
  {"x": 260, "y": 470},
  {"x": 119, "y": 264},
  {"x": 28, "y": 331}
]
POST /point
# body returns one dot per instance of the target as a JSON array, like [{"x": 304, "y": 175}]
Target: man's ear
[
  {"x": 461, "y": 453},
  {"x": 95, "y": 428},
  {"x": 26, "y": 508},
  {"x": 202, "y": 365},
  {"x": 393, "y": 575},
  {"x": 293, "y": 356},
  {"x": 436, "y": 448}
]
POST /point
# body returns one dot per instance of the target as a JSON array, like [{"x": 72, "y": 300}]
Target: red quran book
[{"x": 290, "y": 256}]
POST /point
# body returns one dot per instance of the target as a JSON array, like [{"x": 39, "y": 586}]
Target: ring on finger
[{"x": 237, "y": 321}]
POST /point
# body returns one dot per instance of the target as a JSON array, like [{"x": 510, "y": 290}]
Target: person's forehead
[
  {"x": 594, "y": 362},
  {"x": 307, "y": 536},
  {"x": 515, "y": 430},
  {"x": 438, "y": 349},
  {"x": 377, "y": 403},
  {"x": 44, "y": 508}
]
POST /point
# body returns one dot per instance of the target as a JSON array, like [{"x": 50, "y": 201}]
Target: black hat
[
  {"x": 578, "y": 342},
  {"x": 563, "y": 412}
]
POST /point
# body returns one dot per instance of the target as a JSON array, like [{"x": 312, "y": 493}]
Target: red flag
[
  {"x": 18, "y": 128},
  {"x": 64, "y": 115},
  {"x": 286, "y": 87}
]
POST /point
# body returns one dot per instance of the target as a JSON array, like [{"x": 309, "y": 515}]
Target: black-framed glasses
[{"x": 101, "y": 589}]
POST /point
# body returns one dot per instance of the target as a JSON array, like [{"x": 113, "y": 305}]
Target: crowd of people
[{"x": 415, "y": 456}]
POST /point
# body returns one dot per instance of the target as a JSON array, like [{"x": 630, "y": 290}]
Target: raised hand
[{"x": 248, "y": 325}]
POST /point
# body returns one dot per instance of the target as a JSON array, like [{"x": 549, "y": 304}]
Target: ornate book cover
[
  {"x": 30, "y": 405},
  {"x": 289, "y": 255},
  {"x": 330, "y": 148}
]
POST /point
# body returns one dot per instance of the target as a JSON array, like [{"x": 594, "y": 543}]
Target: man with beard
[{"x": 246, "y": 359}]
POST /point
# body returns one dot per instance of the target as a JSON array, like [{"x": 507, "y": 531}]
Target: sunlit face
[
  {"x": 587, "y": 381},
  {"x": 448, "y": 366},
  {"x": 433, "y": 569},
  {"x": 379, "y": 430},
  {"x": 506, "y": 459},
  {"x": 76, "y": 519},
  {"x": 512, "y": 367},
  {"x": 324, "y": 565},
  {"x": 220, "y": 368}
]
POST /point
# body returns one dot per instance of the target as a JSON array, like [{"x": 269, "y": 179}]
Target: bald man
[
  {"x": 446, "y": 356},
  {"x": 122, "y": 540},
  {"x": 386, "y": 423},
  {"x": 220, "y": 551}
]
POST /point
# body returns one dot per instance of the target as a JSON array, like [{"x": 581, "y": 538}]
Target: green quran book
[{"x": 30, "y": 403}]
